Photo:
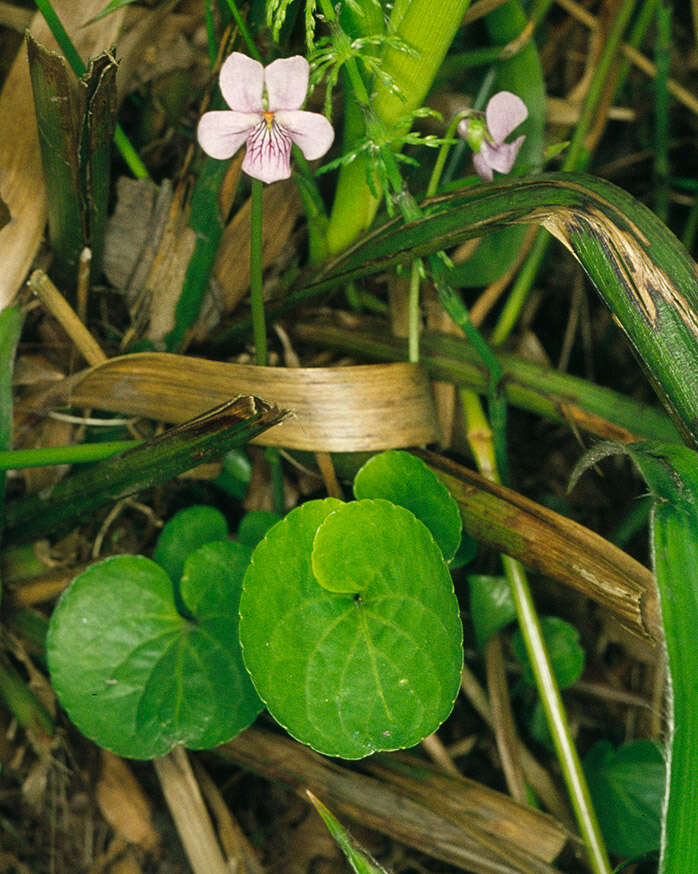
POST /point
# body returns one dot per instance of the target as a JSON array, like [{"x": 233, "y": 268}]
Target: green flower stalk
[{"x": 428, "y": 30}]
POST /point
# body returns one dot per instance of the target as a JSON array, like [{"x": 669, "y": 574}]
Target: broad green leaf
[
  {"x": 491, "y": 605},
  {"x": 405, "y": 480},
  {"x": 562, "y": 643},
  {"x": 350, "y": 675},
  {"x": 254, "y": 525},
  {"x": 185, "y": 532},
  {"x": 235, "y": 475},
  {"x": 627, "y": 787},
  {"x": 137, "y": 677},
  {"x": 466, "y": 552}
]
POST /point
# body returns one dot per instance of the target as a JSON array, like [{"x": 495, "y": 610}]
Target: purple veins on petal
[
  {"x": 268, "y": 155},
  {"x": 268, "y": 132}
]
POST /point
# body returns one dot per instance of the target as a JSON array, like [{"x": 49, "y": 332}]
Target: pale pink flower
[
  {"x": 267, "y": 127},
  {"x": 503, "y": 114}
]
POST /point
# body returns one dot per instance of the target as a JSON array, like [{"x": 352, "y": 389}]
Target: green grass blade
[
  {"x": 642, "y": 272},
  {"x": 360, "y": 861},
  {"x": 671, "y": 472},
  {"x": 76, "y": 121},
  {"x": 58, "y": 113},
  {"x": 10, "y": 329},
  {"x": 545, "y": 391},
  {"x": 201, "y": 439}
]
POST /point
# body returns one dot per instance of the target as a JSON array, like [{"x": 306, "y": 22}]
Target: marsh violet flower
[
  {"x": 503, "y": 114},
  {"x": 265, "y": 115}
]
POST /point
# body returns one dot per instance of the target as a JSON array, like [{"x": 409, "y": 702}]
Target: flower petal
[
  {"x": 268, "y": 154},
  {"x": 287, "y": 82},
  {"x": 482, "y": 168},
  {"x": 242, "y": 83},
  {"x": 502, "y": 157},
  {"x": 505, "y": 111},
  {"x": 310, "y": 131},
  {"x": 221, "y": 134},
  {"x": 463, "y": 126}
]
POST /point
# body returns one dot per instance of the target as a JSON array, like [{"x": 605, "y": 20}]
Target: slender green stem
[
  {"x": 244, "y": 30},
  {"x": 273, "y": 457},
  {"x": 22, "y": 703},
  {"x": 691, "y": 227},
  {"x": 210, "y": 33},
  {"x": 413, "y": 312},
  {"x": 259, "y": 330},
  {"x": 259, "y": 327},
  {"x": 556, "y": 716},
  {"x": 661, "y": 112},
  {"x": 121, "y": 141},
  {"x": 443, "y": 154},
  {"x": 129, "y": 154},
  {"x": 18, "y": 459},
  {"x": 61, "y": 36},
  {"x": 520, "y": 289},
  {"x": 479, "y": 435}
]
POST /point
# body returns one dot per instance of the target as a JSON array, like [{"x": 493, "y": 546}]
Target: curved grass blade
[
  {"x": 643, "y": 273},
  {"x": 557, "y": 396},
  {"x": 360, "y": 860}
]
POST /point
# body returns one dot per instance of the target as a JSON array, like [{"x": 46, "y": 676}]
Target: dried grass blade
[
  {"x": 334, "y": 409},
  {"x": 21, "y": 172},
  {"x": 553, "y": 545},
  {"x": 381, "y": 807},
  {"x": 458, "y": 799},
  {"x": 229, "y": 425},
  {"x": 558, "y": 396}
]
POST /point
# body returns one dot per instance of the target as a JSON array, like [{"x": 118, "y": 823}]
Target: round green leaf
[
  {"x": 137, "y": 677},
  {"x": 351, "y": 675},
  {"x": 185, "y": 532},
  {"x": 406, "y": 480},
  {"x": 254, "y": 525},
  {"x": 627, "y": 787},
  {"x": 491, "y": 605},
  {"x": 566, "y": 652}
]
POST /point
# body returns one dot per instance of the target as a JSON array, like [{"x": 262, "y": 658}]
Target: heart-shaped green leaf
[
  {"x": 566, "y": 652},
  {"x": 350, "y": 675},
  {"x": 185, "y": 532},
  {"x": 137, "y": 677},
  {"x": 491, "y": 605},
  {"x": 254, "y": 525},
  {"x": 627, "y": 787},
  {"x": 405, "y": 479}
]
